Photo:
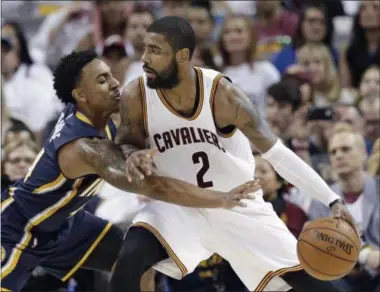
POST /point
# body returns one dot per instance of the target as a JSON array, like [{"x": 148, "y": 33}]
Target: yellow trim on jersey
[
  {"x": 88, "y": 253},
  {"x": 270, "y": 275},
  {"x": 144, "y": 106},
  {"x": 212, "y": 98},
  {"x": 164, "y": 243},
  {"x": 36, "y": 220},
  {"x": 86, "y": 120},
  {"x": 31, "y": 168},
  {"x": 5, "y": 290},
  {"x": 108, "y": 133},
  {"x": 6, "y": 203},
  {"x": 200, "y": 103},
  {"x": 91, "y": 189},
  {"x": 51, "y": 186},
  {"x": 83, "y": 118}
]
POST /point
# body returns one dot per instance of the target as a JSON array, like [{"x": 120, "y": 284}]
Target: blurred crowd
[{"x": 310, "y": 67}]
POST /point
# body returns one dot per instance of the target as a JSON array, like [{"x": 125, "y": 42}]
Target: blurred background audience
[{"x": 311, "y": 68}]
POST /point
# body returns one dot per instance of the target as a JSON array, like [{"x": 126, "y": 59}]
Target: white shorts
[{"x": 255, "y": 242}]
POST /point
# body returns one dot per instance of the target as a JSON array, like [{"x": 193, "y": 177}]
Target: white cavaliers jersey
[{"x": 190, "y": 149}]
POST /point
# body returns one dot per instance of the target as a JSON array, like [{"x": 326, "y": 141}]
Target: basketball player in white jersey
[{"x": 181, "y": 110}]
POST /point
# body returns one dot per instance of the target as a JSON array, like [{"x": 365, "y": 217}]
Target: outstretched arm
[
  {"x": 104, "y": 158},
  {"x": 232, "y": 107}
]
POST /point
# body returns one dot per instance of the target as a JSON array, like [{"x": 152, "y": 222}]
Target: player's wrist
[{"x": 335, "y": 201}]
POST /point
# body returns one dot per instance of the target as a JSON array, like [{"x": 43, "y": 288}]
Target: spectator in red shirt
[{"x": 275, "y": 25}]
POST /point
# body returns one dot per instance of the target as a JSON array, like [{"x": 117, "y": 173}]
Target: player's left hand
[
  {"x": 340, "y": 211},
  {"x": 243, "y": 192}
]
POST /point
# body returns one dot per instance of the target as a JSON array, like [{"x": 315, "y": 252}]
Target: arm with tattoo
[
  {"x": 104, "y": 158},
  {"x": 233, "y": 107},
  {"x": 131, "y": 135}
]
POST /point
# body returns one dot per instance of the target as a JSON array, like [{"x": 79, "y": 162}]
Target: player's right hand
[
  {"x": 243, "y": 192},
  {"x": 139, "y": 164}
]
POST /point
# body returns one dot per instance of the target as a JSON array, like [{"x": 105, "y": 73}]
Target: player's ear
[
  {"x": 78, "y": 95},
  {"x": 183, "y": 56}
]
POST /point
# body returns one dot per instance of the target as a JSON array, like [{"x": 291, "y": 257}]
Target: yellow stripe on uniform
[
  {"x": 5, "y": 290},
  {"x": 36, "y": 220},
  {"x": 108, "y": 132},
  {"x": 6, "y": 203},
  {"x": 269, "y": 276},
  {"x": 83, "y": 118},
  {"x": 91, "y": 189},
  {"x": 88, "y": 253},
  {"x": 51, "y": 186},
  {"x": 164, "y": 243}
]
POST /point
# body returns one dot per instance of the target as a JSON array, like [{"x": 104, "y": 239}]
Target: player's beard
[{"x": 168, "y": 79}]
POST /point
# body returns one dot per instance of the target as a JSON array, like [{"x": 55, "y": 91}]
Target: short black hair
[
  {"x": 68, "y": 72},
  {"x": 203, "y": 4},
  {"x": 178, "y": 32},
  {"x": 285, "y": 92}
]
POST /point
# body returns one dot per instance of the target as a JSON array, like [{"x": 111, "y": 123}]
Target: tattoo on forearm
[{"x": 108, "y": 162}]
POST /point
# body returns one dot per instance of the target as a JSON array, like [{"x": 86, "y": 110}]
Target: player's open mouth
[{"x": 117, "y": 94}]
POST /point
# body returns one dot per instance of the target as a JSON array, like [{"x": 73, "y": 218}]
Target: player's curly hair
[{"x": 68, "y": 72}]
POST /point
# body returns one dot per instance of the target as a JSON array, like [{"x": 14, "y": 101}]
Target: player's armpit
[
  {"x": 104, "y": 158},
  {"x": 233, "y": 107},
  {"x": 131, "y": 132}
]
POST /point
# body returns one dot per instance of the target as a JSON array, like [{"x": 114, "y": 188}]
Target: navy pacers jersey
[{"x": 46, "y": 197}]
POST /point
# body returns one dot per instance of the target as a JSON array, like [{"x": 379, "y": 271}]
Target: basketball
[{"x": 328, "y": 248}]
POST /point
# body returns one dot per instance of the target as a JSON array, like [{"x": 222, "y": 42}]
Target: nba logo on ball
[{"x": 328, "y": 248}]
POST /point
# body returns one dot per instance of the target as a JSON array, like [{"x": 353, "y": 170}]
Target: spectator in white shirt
[
  {"x": 28, "y": 87},
  {"x": 238, "y": 47}
]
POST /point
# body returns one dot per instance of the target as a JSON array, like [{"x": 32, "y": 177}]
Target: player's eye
[{"x": 102, "y": 80}]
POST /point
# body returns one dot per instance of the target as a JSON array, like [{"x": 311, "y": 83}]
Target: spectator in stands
[
  {"x": 304, "y": 82},
  {"x": 365, "y": 40},
  {"x": 373, "y": 167},
  {"x": 18, "y": 156},
  {"x": 283, "y": 101},
  {"x": 174, "y": 8},
  {"x": 314, "y": 26},
  {"x": 351, "y": 115},
  {"x": 320, "y": 121},
  {"x": 370, "y": 83},
  {"x": 61, "y": 31},
  {"x": 110, "y": 19},
  {"x": 9, "y": 124},
  {"x": 138, "y": 21},
  {"x": 359, "y": 191},
  {"x": 316, "y": 60},
  {"x": 276, "y": 27},
  {"x": 28, "y": 86},
  {"x": 201, "y": 19},
  {"x": 274, "y": 188},
  {"x": 206, "y": 53},
  {"x": 370, "y": 108},
  {"x": 238, "y": 47}
]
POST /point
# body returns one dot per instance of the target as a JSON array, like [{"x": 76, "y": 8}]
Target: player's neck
[{"x": 184, "y": 91}]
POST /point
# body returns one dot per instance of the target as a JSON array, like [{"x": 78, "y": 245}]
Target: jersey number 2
[{"x": 201, "y": 157}]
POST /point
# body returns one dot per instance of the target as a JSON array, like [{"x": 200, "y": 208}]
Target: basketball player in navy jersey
[
  {"x": 182, "y": 110},
  {"x": 42, "y": 220}
]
